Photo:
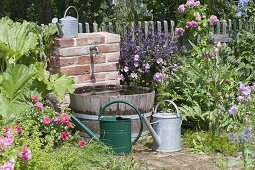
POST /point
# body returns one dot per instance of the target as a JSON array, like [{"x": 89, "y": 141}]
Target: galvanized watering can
[
  {"x": 166, "y": 130},
  {"x": 67, "y": 26},
  {"x": 115, "y": 131}
]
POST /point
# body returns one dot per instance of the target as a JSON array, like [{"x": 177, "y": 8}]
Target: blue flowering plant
[
  {"x": 147, "y": 60},
  {"x": 243, "y": 114},
  {"x": 246, "y": 141},
  {"x": 242, "y": 8}
]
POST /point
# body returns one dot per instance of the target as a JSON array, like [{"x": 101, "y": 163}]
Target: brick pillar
[{"x": 73, "y": 57}]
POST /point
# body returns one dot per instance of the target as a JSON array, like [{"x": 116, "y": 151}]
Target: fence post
[
  {"x": 80, "y": 28},
  {"x": 95, "y": 27},
  {"x": 87, "y": 27}
]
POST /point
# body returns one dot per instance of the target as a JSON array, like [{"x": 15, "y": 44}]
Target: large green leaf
[
  {"x": 16, "y": 82},
  {"x": 60, "y": 85},
  {"x": 17, "y": 39}
]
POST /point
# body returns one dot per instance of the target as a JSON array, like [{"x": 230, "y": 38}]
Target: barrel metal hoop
[{"x": 95, "y": 117}]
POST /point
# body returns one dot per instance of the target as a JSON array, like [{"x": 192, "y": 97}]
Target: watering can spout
[
  {"x": 152, "y": 131},
  {"x": 85, "y": 128}
]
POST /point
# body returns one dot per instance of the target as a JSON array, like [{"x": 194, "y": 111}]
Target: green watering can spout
[{"x": 84, "y": 128}]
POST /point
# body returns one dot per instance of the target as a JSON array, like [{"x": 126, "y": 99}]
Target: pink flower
[
  {"x": 7, "y": 140},
  {"x": 57, "y": 121},
  {"x": 64, "y": 135},
  {"x": 218, "y": 45},
  {"x": 198, "y": 16},
  {"x": 18, "y": 129},
  {"x": 190, "y": 3},
  {"x": 68, "y": 124},
  {"x": 192, "y": 24},
  {"x": 83, "y": 143},
  {"x": 25, "y": 155},
  {"x": 214, "y": 20},
  {"x": 46, "y": 120},
  {"x": 39, "y": 105},
  {"x": 179, "y": 31},
  {"x": 34, "y": 98},
  {"x": 7, "y": 166},
  {"x": 64, "y": 118},
  {"x": 181, "y": 8},
  {"x": 196, "y": 4}
]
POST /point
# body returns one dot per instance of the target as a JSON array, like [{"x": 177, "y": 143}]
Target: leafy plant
[
  {"x": 148, "y": 59},
  {"x": 205, "y": 142},
  {"x": 20, "y": 82}
]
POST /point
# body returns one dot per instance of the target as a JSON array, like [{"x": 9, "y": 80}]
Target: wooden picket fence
[{"x": 223, "y": 31}]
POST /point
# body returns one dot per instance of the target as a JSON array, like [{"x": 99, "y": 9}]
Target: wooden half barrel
[{"x": 86, "y": 102}]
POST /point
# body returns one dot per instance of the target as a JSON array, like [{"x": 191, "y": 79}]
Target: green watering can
[{"x": 115, "y": 131}]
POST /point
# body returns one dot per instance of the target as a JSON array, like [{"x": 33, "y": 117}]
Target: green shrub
[{"x": 205, "y": 142}]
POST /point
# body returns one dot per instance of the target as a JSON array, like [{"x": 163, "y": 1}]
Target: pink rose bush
[
  {"x": 214, "y": 20},
  {"x": 8, "y": 141},
  {"x": 193, "y": 21}
]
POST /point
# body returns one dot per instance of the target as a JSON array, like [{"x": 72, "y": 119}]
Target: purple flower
[
  {"x": 179, "y": 31},
  {"x": 136, "y": 64},
  {"x": 136, "y": 58},
  {"x": 232, "y": 110},
  {"x": 133, "y": 75},
  {"x": 175, "y": 67},
  {"x": 214, "y": 20},
  {"x": 196, "y": 4},
  {"x": 246, "y": 91},
  {"x": 121, "y": 77},
  {"x": 192, "y": 24},
  {"x": 7, "y": 166},
  {"x": 158, "y": 77},
  {"x": 126, "y": 69},
  {"x": 147, "y": 68},
  {"x": 160, "y": 61},
  {"x": 39, "y": 105},
  {"x": 57, "y": 121},
  {"x": 233, "y": 137},
  {"x": 190, "y": 3},
  {"x": 181, "y": 8}
]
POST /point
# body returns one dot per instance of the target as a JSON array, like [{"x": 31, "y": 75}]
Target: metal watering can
[
  {"x": 115, "y": 131},
  {"x": 67, "y": 26},
  {"x": 166, "y": 130}
]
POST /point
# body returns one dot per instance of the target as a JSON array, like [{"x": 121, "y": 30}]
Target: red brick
[
  {"x": 112, "y": 38},
  {"x": 88, "y": 59},
  {"x": 66, "y": 61},
  {"x": 106, "y": 67},
  {"x": 64, "y": 42},
  {"x": 71, "y": 51},
  {"x": 107, "y": 48},
  {"x": 113, "y": 75},
  {"x": 90, "y": 39},
  {"x": 87, "y": 78},
  {"x": 75, "y": 70},
  {"x": 112, "y": 57}
]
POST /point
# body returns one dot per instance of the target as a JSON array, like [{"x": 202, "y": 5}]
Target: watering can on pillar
[
  {"x": 166, "y": 130},
  {"x": 115, "y": 131},
  {"x": 67, "y": 26}
]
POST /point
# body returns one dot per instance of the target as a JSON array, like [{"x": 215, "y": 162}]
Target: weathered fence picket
[{"x": 223, "y": 31}]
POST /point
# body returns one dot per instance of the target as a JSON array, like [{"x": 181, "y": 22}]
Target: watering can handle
[
  {"x": 170, "y": 101},
  {"x": 75, "y": 10},
  {"x": 137, "y": 111}
]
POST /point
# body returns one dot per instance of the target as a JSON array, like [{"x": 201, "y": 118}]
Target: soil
[{"x": 182, "y": 160}]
